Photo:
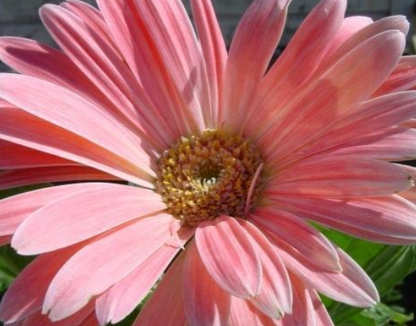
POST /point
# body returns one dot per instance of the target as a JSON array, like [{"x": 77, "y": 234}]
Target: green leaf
[
  {"x": 381, "y": 315},
  {"x": 386, "y": 265},
  {"x": 19, "y": 190}
]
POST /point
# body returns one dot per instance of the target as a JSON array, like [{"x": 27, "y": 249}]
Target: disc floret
[{"x": 207, "y": 175}]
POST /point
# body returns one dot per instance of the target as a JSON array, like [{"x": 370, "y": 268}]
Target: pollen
[{"x": 209, "y": 174}]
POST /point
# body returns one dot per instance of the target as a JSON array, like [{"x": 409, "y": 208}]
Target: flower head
[{"x": 207, "y": 166}]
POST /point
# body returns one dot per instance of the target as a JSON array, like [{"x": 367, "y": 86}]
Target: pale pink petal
[
  {"x": 331, "y": 97},
  {"x": 310, "y": 243},
  {"x": 14, "y": 156},
  {"x": 382, "y": 112},
  {"x": 214, "y": 51},
  {"x": 396, "y": 144},
  {"x": 206, "y": 303},
  {"x": 321, "y": 314},
  {"x": 24, "y": 177},
  {"x": 26, "y": 294},
  {"x": 166, "y": 306},
  {"x": 402, "y": 78},
  {"x": 392, "y": 218},
  {"x": 91, "y": 17},
  {"x": 251, "y": 49},
  {"x": 409, "y": 194},
  {"x": 99, "y": 265},
  {"x": 229, "y": 256},
  {"x": 77, "y": 319},
  {"x": 14, "y": 210},
  {"x": 123, "y": 297},
  {"x": 398, "y": 23},
  {"x": 303, "y": 309},
  {"x": 82, "y": 215},
  {"x": 94, "y": 53},
  {"x": 143, "y": 56},
  {"x": 37, "y": 135},
  {"x": 349, "y": 27},
  {"x": 67, "y": 110},
  {"x": 341, "y": 176},
  {"x": 298, "y": 62},
  {"x": 377, "y": 114},
  {"x": 243, "y": 313},
  {"x": 275, "y": 298},
  {"x": 351, "y": 286},
  {"x": 169, "y": 27},
  {"x": 39, "y": 60}
]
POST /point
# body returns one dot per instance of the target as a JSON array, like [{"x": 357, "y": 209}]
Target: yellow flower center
[{"x": 210, "y": 174}]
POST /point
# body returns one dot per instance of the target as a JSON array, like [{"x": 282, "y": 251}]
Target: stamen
[
  {"x": 252, "y": 187},
  {"x": 209, "y": 174}
]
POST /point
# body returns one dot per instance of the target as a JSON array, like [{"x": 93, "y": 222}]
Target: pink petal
[
  {"x": 342, "y": 176},
  {"x": 18, "y": 157},
  {"x": 91, "y": 320},
  {"x": 333, "y": 96},
  {"x": 166, "y": 306},
  {"x": 298, "y": 62},
  {"x": 351, "y": 286},
  {"x": 307, "y": 241},
  {"x": 411, "y": 123},
  {"x": 390, "y": 218},
  {"x": 243, "y": 313},
  {"x": 214, "y": 51},
  {"x": 123, "y": 297},
  {"x": 24, "y": 177},
  {"x": 396, "y": 144},
  {"x": 91, "y": 17},
  {"x": 77, "y": 319},
  {"x": 349, "y": 27},
  {"x": 252, "y": 47},
  {"x": 402, "y": 78},
  {"x": 67, "y": 110},
  {"x": 17, "y": 208},
  {"x": 37, "y": 135},
  {"x": 143, "y": 57},
  {"x": 377, "y": 114},
  {"x": 169, "y": 27},
  {"x": 206, "y": 304},
  {"x": 97, "y": 266},
  {"x": 321, "y": 314},
  {"x": 95, "y": 54},
  {"x": 82, "y": 215},
  {"x": 229, "y": 256},
  {"x": 392, "y": 23},
  {"x": 275, "y": 297},
  {"x": 4, "y": 240},
  {"x": 38, "y": 60},
  {"x": 26, "y": 294},
  {"x": 303, "y": 308},
  {"x": 409, "y": 194}
]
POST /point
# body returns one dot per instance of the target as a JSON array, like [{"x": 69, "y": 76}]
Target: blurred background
[{"x": 20, "y": 18}]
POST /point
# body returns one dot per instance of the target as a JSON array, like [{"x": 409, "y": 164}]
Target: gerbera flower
[{"x": 208, "y": 167}]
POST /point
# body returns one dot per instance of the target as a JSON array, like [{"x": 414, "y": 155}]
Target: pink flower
[{"x": 209, "y": 166}]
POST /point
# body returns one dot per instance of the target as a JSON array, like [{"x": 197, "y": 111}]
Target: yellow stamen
[{"x": 207, "y": 175}]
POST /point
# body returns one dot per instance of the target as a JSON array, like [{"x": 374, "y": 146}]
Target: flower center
[{"x": 210, "y": 174}]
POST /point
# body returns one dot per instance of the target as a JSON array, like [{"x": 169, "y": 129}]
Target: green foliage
[
  {"x": 381, "y": 315},
  {"x": 387, "y": 266}
]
